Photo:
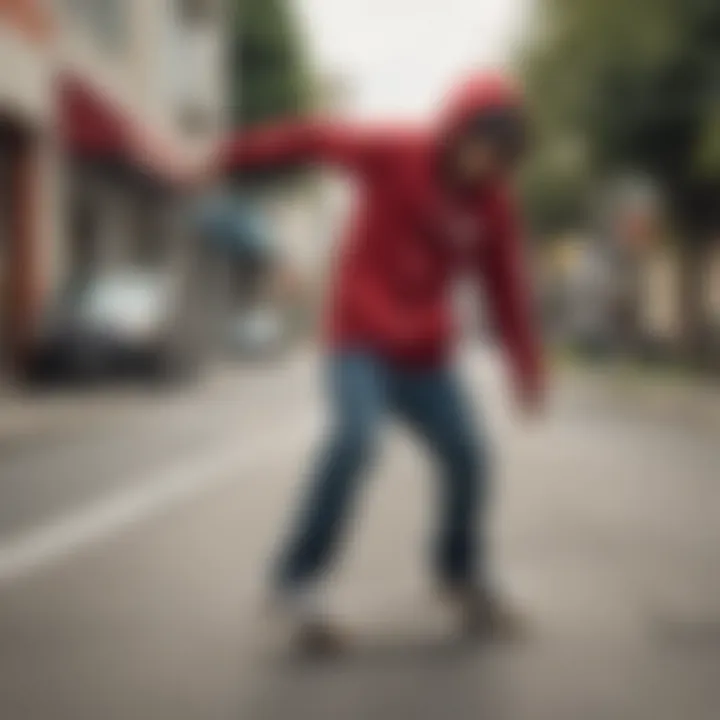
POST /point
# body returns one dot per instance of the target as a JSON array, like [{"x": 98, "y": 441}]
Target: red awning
[
  {"x": 94, "y": 126},
  {"x": 91, "y": 125}
]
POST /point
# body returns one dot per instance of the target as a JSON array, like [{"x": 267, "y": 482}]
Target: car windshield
[{"x": 119, "y": 298}]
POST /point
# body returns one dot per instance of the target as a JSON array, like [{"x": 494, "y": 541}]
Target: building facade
[
  {"x": 26, "y": 166},
  {"x": 111, "y": 107}
]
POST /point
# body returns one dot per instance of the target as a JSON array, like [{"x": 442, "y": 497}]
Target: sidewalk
[
  {"x": 692, "y": 401},
  {"x": 35, "y": 414}
]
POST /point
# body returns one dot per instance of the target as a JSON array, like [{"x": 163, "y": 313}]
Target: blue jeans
[{"x": 362, "y": 389}]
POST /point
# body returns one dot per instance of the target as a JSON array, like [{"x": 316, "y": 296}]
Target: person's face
[
  {"x": 476, "y": 159},
  {"x": 489, "y": 148}
]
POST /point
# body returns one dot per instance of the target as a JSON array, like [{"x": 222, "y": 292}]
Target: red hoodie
[{"x": 410, "y": 236}]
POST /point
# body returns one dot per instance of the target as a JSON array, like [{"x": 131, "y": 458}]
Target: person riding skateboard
[{"x": 433, "y": 205}]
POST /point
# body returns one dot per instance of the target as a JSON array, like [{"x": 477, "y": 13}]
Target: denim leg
[
  {"x": 356, "y": 386},
  {"x": 436, "y": 407}
]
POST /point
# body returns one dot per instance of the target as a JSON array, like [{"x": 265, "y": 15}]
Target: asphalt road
[{"x": 135, "y": 533}]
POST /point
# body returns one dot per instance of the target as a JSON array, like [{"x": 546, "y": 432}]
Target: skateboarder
[{"x": 433, "y": 204}]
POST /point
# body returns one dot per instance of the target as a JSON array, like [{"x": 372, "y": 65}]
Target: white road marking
[{"x": 148, "y": 496}]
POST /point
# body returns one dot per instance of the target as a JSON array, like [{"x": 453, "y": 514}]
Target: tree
[
  {"x": 269, "y": 72},
  {"x": 270, "y": 76},
  {"x": 637, "y": 85}
]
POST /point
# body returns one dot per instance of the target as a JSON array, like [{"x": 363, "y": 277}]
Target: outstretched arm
[
  {"x": 291, "y": 143},
  {"x": 507, "y": 288}
]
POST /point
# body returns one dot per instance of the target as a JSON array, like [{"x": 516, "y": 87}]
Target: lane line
[{"x": 149, "y": 495}]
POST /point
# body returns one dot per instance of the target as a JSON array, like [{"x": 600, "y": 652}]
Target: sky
[{"x": 398, "y": 56}]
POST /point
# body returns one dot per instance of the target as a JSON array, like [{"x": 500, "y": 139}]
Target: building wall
[
  {"x": 25, "y": 67},
  {"x": 148, "y": 62},
  {"x": 660, "y": 295},
  {"x": 29, "y": 17},
  {"x": 179, "y": 66},
  {"x": 713, "y": 286},
  {"x": 153, "y": 65},
  {"x": 146, "y": 65},
  {"x": 28, "y": 216}
]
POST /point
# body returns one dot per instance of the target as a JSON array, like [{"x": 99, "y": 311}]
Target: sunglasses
[{"x": 506, "y": 128}]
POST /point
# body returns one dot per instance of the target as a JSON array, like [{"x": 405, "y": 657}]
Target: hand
[{"x": 531, "y": 397}]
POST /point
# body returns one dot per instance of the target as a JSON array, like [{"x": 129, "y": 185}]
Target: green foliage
[
  {"x": 637, "y": 84},
  {"x": 269, "y": 72}
]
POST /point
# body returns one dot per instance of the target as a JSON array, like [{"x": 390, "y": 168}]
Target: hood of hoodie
[{"x": 477, "y": 94}]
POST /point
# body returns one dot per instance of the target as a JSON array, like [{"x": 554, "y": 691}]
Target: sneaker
[
  {"x": 303, "y": 613},
  {"x": 322, "y": 639},
  {"x": 484, "y": 615}
]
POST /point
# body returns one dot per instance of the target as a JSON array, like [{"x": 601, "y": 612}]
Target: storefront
[
  {"x": 122, "y": 185},
  {"x": 25, "y": 33}
]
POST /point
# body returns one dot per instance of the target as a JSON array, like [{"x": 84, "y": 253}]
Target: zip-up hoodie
[{"x": 411, "y": 234}]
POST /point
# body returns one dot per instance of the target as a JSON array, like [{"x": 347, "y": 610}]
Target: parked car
[{"x": 121, "y": 324}]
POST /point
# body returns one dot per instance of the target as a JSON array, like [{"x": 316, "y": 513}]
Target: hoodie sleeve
[
  {"x": 294, "y": 143},
  {"x": 508, "y": 292}
]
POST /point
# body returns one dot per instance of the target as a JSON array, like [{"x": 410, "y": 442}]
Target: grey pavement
[{"x": 606, "y": 534}]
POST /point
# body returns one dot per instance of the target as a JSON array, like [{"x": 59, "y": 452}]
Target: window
[
  {"x": 110, "y": 21},
  {"x": 107, "y": 20},
  {"x": 196, "y": 60},
  {"x": 193, "y": 12},
  {"x": 84, "y": 239}
]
